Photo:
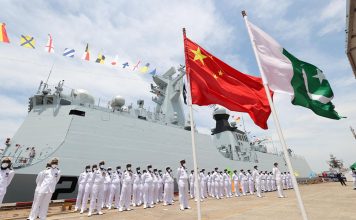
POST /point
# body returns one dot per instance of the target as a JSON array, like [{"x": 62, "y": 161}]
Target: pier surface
[{"x": 322, "y": 201}]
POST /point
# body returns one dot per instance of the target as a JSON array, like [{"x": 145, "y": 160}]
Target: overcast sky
[{"x": 151, "y": 32}]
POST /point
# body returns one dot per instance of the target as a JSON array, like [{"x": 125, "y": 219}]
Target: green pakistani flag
[{"x": 285, "y": 73}]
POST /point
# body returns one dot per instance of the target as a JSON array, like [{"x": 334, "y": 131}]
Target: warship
[{"x": 71, "y": 127}]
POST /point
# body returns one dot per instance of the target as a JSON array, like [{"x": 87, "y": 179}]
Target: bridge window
[{"x": 77, "y": 112}]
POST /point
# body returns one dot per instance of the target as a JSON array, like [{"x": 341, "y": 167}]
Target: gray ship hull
[{"x": 116, "y": 138}]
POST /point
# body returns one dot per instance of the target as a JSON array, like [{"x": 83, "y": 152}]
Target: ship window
[
  {"x": 39, "y": 100},
  {"x": 64, "y": 102},
  {"x": 49, "y": 100},
  {"x": 77, "y": 112}
]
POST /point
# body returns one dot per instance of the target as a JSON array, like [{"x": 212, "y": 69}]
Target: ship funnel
[{"x": 221, "y": 117}]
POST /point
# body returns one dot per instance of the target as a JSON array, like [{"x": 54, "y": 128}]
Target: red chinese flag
[{"x": 214, "y": 82}]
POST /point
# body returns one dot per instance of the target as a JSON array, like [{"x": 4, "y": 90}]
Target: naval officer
[
  {"x": 48, "y": 180},
  {"x": 147, "y": 180},
  {"x": 39, "y": 180},
  {"x": 126, "y": 191},
  {"x": 278, "y": 177},
  {"x": 235, "y": 178},
  {"x": 168, "y": 182},
  {"x": 6, "y": 175},
  {"x": 97, "y": 194},
  {"x": 182, "y": 177},
  {"x": 257, "y": 179},
  {"x": 82, "y": 180},
  {"x": 136, "y": 188},
  {"x": 88, "y": 188},
  {"x": 115, "y": 188}
]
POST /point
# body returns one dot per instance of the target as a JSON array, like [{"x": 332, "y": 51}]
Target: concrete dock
[{"x": 322, "y": 201}]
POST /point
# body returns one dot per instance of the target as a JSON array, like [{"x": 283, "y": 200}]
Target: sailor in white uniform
[
  {"x": 227, "y": 186},
  {"x": 251, "y": 186},
  {"x": 289, "y": 181},
  {"x": 203, "y": 184},
  {"x": 191, "y": 184},
  {"x": 115, "y": 188},
  {"x": 49, "y": 180},
  {"x": 182, "y": 177},
  {"x": 126, "y": 191},
  {"x": 209, "y": 184},
  {"x": 221, "y": 184},
  {"x": 155, "y": 186},
  {"x": 88, "y": 188},
  {"x": 263, "y": 182},
  {"x": 107, "y": 188},
  {"x": 215, "y": 186},
  {"x": 160, "y": 186},
  {"x": 6, "y": 175},
  {"x": 277, "y": 176},
  {"x": 97, "y": 194},
  {"x": 136, "y": 201},
  {"x": 82, "y": 181},
  {"x": 257, "y": 180},
  {"x": 242, "y": 182},
  {"x": 269, "y": 182},
  {"x": 147, "y": 180},
  {"x": 235, "y": 178},
  {"x": 168, "y": 187},
  {"x": 284, "y": 180},
  {"x": 39, "y": 180}
]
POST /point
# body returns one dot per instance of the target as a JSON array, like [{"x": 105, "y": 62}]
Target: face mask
[
  {"x": 4, "y": 165},
  {"x": 118, "y": 170},
  {"x": 109, "y": 171},
  {"x": 54, "y": 166},
  {"x": 102, "y": 166},
  {"x": 129, "y": 168},
  {"x": 88, "y": 170},
  {"x": 95, "y": 169},
  {"x": 150, "y": 169}
]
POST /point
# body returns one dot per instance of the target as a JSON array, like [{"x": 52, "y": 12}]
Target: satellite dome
[
  {"x": 117, "y": 102},
  {"x": 82, "y": 96},
  {"x": 219, "y": 110}
]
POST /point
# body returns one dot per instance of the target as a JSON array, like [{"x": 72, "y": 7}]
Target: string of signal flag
[{"x": 30, "y": 42}]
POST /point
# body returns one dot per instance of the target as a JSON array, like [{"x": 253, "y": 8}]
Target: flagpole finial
[
  {"x": 243, "y": 13},
  {"x": 184, "y": 33}
]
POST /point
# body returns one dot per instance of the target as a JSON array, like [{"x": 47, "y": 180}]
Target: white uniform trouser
[
  {"x": 191, "y": 189},
  {"x": 243, "y": 187},
  {"x": 290, "y": 183},
  {"x": 222, "y": 189},
  {"x": 115, "y": 190},
  {"x": 168, "y": 193},
  {"x": 147, "y": 194},
  {"x": 226, "y": 189},
  {"x": 97, "y": 197},
  {"x": 237, "y": 190},
  {"x": 269, "y": 188},
  {"x": 32, "y": 213},
  {"x": 155, "y": 192},
  {"x": 81, "y": 190},
  {"x": 86, "y": 196},
  {"x": 40, "y": 206},
  {"x": 258, "y": 188},
  {"x": 160, "y": 192},
  {"x": 203, "y": 189},
  {"x": 2, "y": 193},
  {"x": 125, "y": 198},
  {"x": 217, "y": 189},
  {"x": 212, "y": 188},
  {"x": 107, "y": 187},
  {"x": 279, "y": 187},
  {"x": 183, "y": 193},
  {"x": 209, "y": 188},
  {"x": 251, "y": 187},
  {"x": 246, "y": 186},
  {"x": 136, "y": 194},
  {"x": 263, "y": 188}
]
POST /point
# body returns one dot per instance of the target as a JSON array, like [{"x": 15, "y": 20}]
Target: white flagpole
[
  {"x": 192, "y": 131},
  {"x": 279, "y": 130}
]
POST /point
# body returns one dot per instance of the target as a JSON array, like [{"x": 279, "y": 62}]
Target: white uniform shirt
[
  {"x": 241, "y": 175},
  {"x": 249, "y": 176},
  {"x": 6, "y": 177},
  {"x": 276, "y": 173},
  {"x": 99, "y": 177},
  {"x": 90, "y": 178},
  {"x": 167, "y": 178},
  {"x": 116, "y": 178},
  {"x": 147, "y": 177},
  {"x": 83, "y": 178},
  {"x": 49, "y": 180},
  {"x": 226, "y": 177},
  {"x": 182, "y": 174},
  {"x": 256, "y": 176},
  {"x": 127, "y": 177},
  {"x": 235, "y": 177},
  {"x": 136, "y": 178}
]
